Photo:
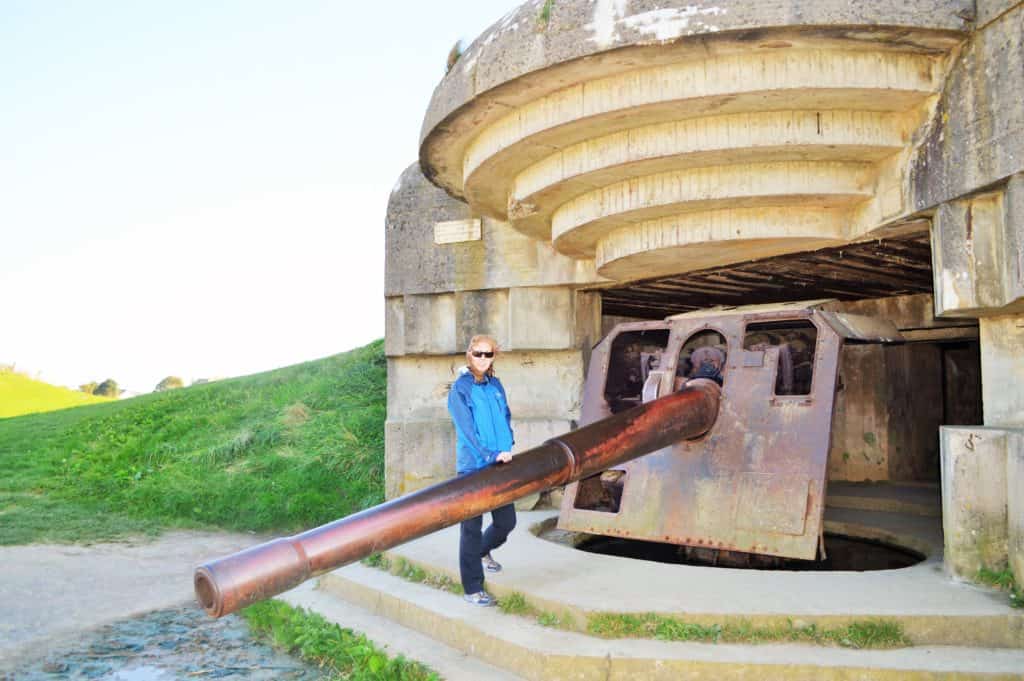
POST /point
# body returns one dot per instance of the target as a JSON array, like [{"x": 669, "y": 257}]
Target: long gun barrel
[{"x": 233, "y": 582}]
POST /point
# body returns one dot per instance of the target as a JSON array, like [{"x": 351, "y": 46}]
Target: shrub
[
  {"x": 169, "y": 383},
  {"x": 107, "y": 388}
]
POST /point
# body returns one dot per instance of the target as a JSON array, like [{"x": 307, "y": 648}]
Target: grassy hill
[
  {"x": 20, "y": 394},
  {"x": 280, "y": 451}
]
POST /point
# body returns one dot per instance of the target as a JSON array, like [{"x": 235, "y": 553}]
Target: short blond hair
[{"x": 481, "y": 338}]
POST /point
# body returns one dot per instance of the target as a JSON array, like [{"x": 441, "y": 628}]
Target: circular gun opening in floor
[{"x": 843, "y": 553}]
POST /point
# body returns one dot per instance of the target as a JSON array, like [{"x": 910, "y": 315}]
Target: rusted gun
[{"x": 230, "y": 583}]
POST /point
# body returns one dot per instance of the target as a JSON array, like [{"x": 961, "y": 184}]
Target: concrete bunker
[{"x": 619, "y": 166}]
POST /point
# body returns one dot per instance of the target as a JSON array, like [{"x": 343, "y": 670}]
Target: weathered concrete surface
[
  {"x": 441, "y": 294},
  {"x": 887, "y": 414},
  {"x": 894, "y": 398},
  {"x": 1015, "y": 511},
  {"x": 502, "y": 258},
  {"x": 974, "y": 497},
  {"x": 614, "y": 38},
  {"x": 543, "y": 387},
  {"x": 658, "y": 140},
  {"x": 50, "y": 590},
  {"x": 976, "y": 135},
  {"x": 990, "y": 10},
  {"x": 536, "y": 652},
  {"x": 539, "y": 384},
  {"x": 1002, "y": 370},
  {"x": 519, "y": 319},
  {"x": 571, "y": 584},
  {"x": 914, "y": 498},
  {"x": 978, "y": 253},
  {"x": 910, "y": 314}
]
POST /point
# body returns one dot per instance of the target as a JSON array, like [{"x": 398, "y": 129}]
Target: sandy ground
[{"x": 50, "y": 591}]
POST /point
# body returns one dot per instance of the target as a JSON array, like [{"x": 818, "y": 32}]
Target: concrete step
[
  {"x": 893, "y": 497},
  {"x": 932, "y": 609},
  {"x": 451, "y": 663},
  {"x": 523, "y": 647}
]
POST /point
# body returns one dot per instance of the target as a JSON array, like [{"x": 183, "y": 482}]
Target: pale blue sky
[{"x": 199, "y": 188}]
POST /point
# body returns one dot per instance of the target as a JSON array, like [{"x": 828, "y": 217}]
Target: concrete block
[
  {"x": 417, "y": 454},
  {"x": 540, "y": 318},
  {"x": 1012, "y": 255},
  {"x": 394, "y": 461},
  {"x": 975, "y": 138},
  {"x": 481, "y": 312},
  {"x": 413, "y": 263},
  {"x": 910, "y": 313},
  {"x": 530, "y": 433},
  {"x": 974, "y": 498},
  {"x": 1002, "y": 370},
  {"x": 976, "y": 257},
  {"x": 501, "y": 257},
  {"x": 588, "y": 324},
  {"x": 430, "y": 324},
  {"x": 540, "y": 385},
  {"x": 1015, "y": 508},
  {"x": 418, "y": 386},
  {"x": 394, "y": 326},
  {"x": 991, "y": 9}
]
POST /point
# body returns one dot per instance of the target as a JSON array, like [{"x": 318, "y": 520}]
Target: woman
[{"x": 483, "y": 427}]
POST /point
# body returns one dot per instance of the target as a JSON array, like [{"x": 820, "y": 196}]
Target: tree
[
  {"x": 107, "y": 388},
  {"x": 169, "y": 383},
  {"x": 89, "y": 387}
]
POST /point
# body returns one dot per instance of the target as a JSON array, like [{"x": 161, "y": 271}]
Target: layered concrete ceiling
[
  {"x": 872, "y": 269},
  {"x": 664, "y": 140}
]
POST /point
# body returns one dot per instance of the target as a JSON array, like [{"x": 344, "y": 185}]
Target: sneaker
[
  {"x": 480, "y": 598},
  {"x": 490, "y": 564}
]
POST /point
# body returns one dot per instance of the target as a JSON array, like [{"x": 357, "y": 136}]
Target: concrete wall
[
  {"x": 449, "y": 276},
  {"x": 981, "y": 474},
  {"x": 893, "y": 397},
  {"x": 968, "y": 170},
  {"x": 888, "y": 414}
]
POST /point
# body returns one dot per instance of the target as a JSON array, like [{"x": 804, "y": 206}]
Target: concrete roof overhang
[{"x": 656, "y": 140}]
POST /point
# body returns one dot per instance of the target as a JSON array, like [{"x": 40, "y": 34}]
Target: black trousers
[{"x": 474, "y": 545}]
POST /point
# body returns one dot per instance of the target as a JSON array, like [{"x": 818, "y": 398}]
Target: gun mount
[
  {"x": 755, "y": 482},
  {"x": 227, "y": 584}
]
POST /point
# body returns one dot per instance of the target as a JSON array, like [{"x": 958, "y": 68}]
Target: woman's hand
[{"x": 504, "y": 457}]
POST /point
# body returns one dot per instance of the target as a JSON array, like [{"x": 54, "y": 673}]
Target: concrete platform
[
  {"x": 523, "y": 647},
  {"x": 959, "y": 630},
  {"x": 932, "y": 608}
]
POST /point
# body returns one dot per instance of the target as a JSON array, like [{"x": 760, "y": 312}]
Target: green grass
[
  {"x": 858, "y": 634},
  {"x": 1003, "y": 580},
  {"x": 280, "y": 451},
  {"x": 340, "y": 653},
  {"x": 545, "y": 13},
  {"x": 21, "y": 395}
]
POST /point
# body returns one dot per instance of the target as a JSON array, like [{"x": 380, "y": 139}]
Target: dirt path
[{"x": 50, "y": 591}]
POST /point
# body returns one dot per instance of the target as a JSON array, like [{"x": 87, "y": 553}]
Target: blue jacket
[{"x": 483, "y": 422}]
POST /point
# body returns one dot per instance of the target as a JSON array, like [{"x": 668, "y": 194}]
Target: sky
[{"x": 199, "y": 189}]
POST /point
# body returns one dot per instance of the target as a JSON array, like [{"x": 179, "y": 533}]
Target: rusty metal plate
[
  {"x": 772, "y": 503},
  {"x": 862, "y": 328}
]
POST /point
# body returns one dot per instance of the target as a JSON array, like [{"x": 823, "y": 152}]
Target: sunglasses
[{"x": 479, "y": 353}]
